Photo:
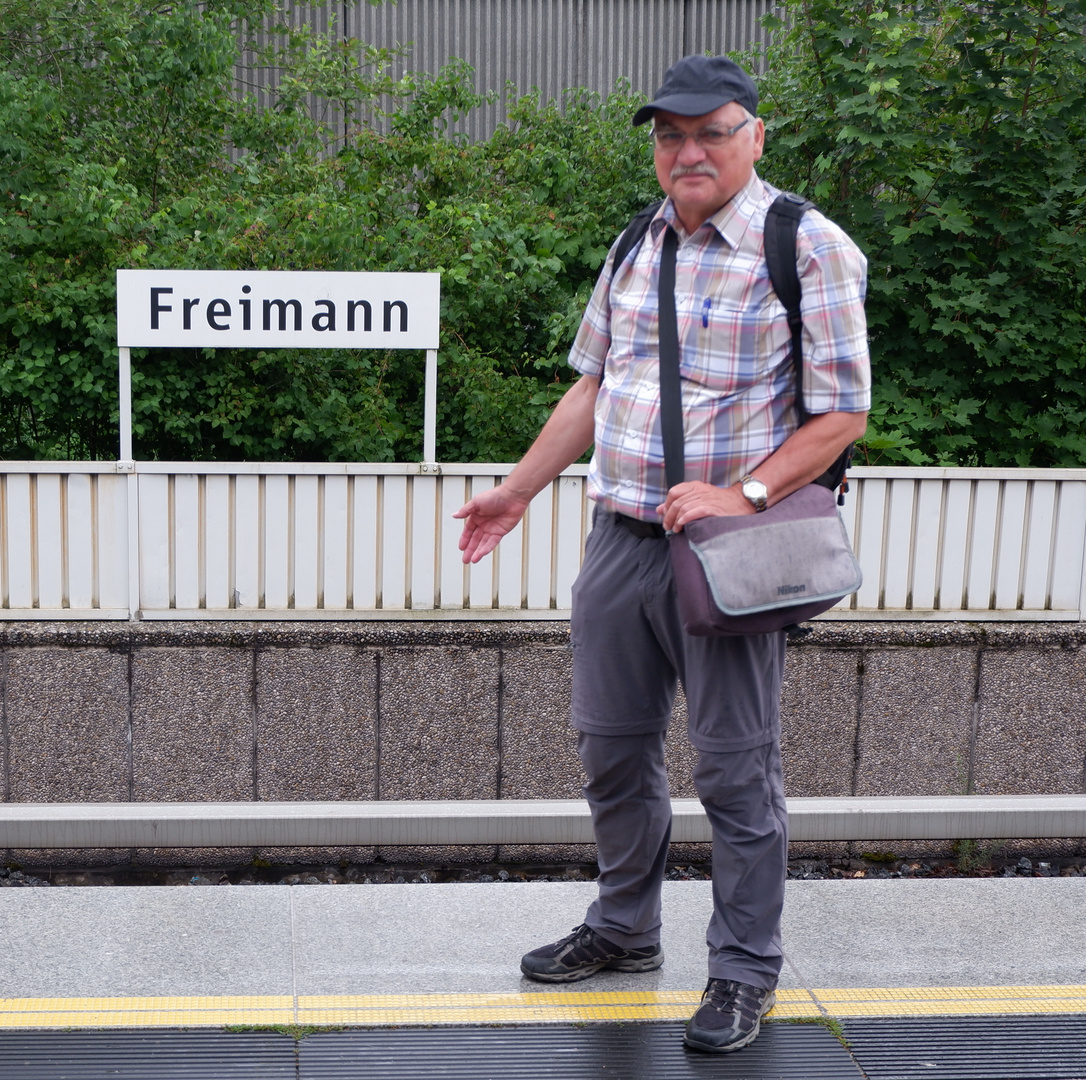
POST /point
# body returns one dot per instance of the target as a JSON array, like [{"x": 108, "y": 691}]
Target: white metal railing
[{"x": 168, "y": 540}]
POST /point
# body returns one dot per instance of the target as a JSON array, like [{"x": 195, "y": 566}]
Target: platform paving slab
[
  {"x": 130, "y": 941},
  {"x": 468, "y": 938}
]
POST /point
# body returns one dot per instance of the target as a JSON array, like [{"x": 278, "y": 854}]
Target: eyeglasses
[{"x": 669, "y": 140}]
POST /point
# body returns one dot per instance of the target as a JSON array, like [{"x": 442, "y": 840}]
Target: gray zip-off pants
[{"x": 629, "y": 652}]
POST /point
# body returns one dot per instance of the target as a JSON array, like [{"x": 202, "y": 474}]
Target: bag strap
[{"x": 671, "y": 399}]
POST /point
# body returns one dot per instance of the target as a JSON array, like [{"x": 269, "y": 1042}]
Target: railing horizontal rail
[{"x": 510, "y": 821}]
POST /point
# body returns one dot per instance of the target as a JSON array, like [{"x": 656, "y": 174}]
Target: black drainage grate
[
  {"x": 147, "y": 1055},
  {"x": 598, "y": 1052},
  {"x": 970, "y": 1048}
]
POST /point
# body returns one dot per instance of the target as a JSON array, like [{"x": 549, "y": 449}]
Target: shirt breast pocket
[{"x": 737, "y": 343}]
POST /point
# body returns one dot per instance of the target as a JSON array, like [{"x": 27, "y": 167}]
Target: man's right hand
[
  {"x": 564, "y": 438},
  {"x": 487, "y": 518}
]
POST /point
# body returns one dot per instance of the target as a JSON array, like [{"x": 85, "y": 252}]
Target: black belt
[{"x": 642, "y": 529}]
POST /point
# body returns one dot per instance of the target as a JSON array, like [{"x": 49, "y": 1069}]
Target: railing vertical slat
[
  {"x": 334, "y": 530},
  {"x": 154, "y": 534},
  {"x": 953, "y": 567},
  {"x": 1012, "y": 534},
  {"x": 423, "y": 541},
  {"x": 307, "y": 541},
  {"x": 869, "y": 541},
  {"x": 898, "y": 546},
  {"x": 20, "y": 559},
  {"x": 453, "y": 496},
  {"x": 277, "y": 542},
  {"x": 569, "y": 531},
  {"x": 50, "y": 542},
  {"x": 980, "y": 585},
  {"x": 248, "y": 554},
  {"x": 80, "y": 541},
  {"x": 1068, "y": 552},
  {"x": 511, "y": 568},
  {"x": 1037, "y": 564},
  {"x": 188, "y": 530},
  {"x": 217, "y": 542},
  {"x": 539, "y": 530},
  {"x": 481, "y": 574},
  {"x": 364, "y": 556},
  {"x": 394, "y": 543},
  {"x": 112, "y": 540},
  {"x": 927, "y": 529}
]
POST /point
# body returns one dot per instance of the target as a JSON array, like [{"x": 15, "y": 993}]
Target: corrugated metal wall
[{"x": 552, "y": 45}]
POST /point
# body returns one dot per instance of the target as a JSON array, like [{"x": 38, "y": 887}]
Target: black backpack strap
[
  {"x": 633, "y": 233},
  {"x": 781, "y": 227}
]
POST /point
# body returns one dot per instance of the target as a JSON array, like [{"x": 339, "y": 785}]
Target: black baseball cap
[{"x": 701, "y": 84}]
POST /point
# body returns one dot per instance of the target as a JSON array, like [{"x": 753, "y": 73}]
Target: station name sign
[{"x": 276, "y": 309}]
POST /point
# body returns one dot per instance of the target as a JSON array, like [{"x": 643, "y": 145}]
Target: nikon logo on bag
[{"x": 790, "y": 590}]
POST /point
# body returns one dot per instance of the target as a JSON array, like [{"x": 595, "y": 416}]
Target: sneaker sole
[
  {"x": 628, "y": 965},
  {"x": 709, "y": 1048}
]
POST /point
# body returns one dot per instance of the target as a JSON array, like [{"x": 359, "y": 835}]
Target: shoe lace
[
  {"x": 582, "y": 935},
  {"x": 723, "y": 995},
  {"x": 727, "y": 996}
]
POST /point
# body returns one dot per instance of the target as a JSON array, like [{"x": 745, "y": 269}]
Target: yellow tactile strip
[
  {"x": 145, "y": 1012},
  {"x": 512, "y": 1008},
  {"x": 953, "y": 1000}
]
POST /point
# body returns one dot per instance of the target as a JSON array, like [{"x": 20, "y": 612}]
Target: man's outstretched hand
[{"x": 487, "y": 518}]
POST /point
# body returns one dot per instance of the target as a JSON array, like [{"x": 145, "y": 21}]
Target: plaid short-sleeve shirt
[{"x": 738, "y": 383}]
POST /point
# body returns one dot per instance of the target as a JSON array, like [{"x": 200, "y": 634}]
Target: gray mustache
[{"x": 693, "y": 170}]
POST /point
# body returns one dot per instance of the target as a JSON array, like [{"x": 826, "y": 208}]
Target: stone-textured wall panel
[
  {"x": 316, "y": 724},
  {"x": 538, "y": 743},
  {"x": 67, "y": 719},
  {"x": 916, "y": 721},
  {"x": 192, "y": 725},
  {"x": 316, "y": 735},
  {"x": 1031, "y": 733},
  {"x": 197, "y": 734},
  {"x": 681, "y": 757},
  {"x": 818, "y": 721},
  {"x": 438, "y": 734}
]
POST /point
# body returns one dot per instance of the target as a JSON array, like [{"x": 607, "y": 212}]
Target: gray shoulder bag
[{"x": 751, "y": 573}]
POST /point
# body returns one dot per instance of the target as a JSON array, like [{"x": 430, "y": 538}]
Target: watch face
[{"x": 756, "y": 492}]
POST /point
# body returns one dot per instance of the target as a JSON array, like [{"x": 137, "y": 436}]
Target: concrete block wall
[{"x": 470, "y": 710}]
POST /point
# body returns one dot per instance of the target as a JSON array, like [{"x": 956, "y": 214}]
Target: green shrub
[{"x": 948, "y": 139}]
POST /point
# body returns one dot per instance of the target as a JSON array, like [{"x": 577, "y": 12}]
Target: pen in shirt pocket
[{"x": 706, "y": 306}]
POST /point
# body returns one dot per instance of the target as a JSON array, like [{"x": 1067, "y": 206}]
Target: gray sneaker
[
  {"x": 729, "y": 1017},
  {"x": 582, "y": 954}
]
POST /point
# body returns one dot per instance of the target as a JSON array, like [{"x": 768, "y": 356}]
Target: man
[{"x": 744, "y": 450}]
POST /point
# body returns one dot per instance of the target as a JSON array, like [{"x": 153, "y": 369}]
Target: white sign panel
[{"x": 276, "y": 309}]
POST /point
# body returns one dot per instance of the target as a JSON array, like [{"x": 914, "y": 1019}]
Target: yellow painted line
[
  {"x": 558, "y": 1006},
  {"x": 953, "y": 1000},
  {"x": 145, "y": 1011}
]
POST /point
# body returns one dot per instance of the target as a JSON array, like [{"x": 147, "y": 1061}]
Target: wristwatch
[{"x": 755, "y": 491}]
